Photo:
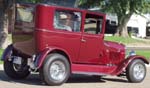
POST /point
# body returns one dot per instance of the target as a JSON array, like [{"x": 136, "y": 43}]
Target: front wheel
[
  {"x": 136, "y": 71},
  {"x": 55, "y": 70}
]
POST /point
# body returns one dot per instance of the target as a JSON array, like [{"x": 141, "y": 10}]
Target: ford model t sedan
[{"x": 58, "y": 41}]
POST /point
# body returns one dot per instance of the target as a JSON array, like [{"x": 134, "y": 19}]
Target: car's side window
[
  {"x": 93, "y": 24},
  {"x": 67, "y": 20}
]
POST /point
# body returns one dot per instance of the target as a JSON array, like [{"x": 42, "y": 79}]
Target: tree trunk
[
  {"x": 122, "y": 31},
  {"x": 122, "y": 25},
  {"x": 3, "y": 33},
  {"x": 5, "y": 20}
]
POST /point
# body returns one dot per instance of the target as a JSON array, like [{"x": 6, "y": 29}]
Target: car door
[
  {"x": 91, "y": 49},
  {"x": 67, "y": 34}
]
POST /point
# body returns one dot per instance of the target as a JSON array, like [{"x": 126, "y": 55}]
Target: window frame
[
  {"x": 68, "y": 10},
  {"x": 95, "y": 16}
]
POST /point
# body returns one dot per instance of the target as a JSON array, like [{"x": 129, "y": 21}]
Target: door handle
[{"x": 83, "y": 40}]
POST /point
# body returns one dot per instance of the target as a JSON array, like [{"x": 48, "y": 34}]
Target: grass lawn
[
  {"x": 144, "y": 53},
  {"x": 1, "y": 51},
  {"x": 127, "y": 41}
]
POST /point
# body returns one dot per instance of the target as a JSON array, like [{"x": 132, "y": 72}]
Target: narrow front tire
[{"x": 136, "y": 71}]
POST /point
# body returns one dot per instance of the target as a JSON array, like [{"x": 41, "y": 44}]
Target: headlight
[{"x": 132, "y": 53}]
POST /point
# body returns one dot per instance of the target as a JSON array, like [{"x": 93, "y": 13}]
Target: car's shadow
[{"x": 34, "y": 79}]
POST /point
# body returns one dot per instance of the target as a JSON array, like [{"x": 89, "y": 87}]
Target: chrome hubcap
[
  {"x": 139, "y": 71},
  {"x": 57, "y": 71}
]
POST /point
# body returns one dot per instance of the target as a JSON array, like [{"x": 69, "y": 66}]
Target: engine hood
[{"x": 114, "y": 46}]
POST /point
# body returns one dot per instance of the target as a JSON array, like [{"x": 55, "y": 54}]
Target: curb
[
  {"x": 147, "y": 65},
  {"x": 1, "y": 67}
]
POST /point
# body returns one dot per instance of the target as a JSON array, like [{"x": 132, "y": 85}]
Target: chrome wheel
[
  {"x": 57, "y": 71},
  {"x": 139, "y": 71},
  {"x": 136, "y": 71}
]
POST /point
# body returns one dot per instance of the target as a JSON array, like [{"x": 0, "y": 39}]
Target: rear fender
[
  {"x": 7, "y": 53},
  {"x": 122, "y": 67},
  {"x": 42, "y": 56}
]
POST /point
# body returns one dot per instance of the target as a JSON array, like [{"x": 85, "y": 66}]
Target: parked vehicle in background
[{"x": 57, "y": 41}]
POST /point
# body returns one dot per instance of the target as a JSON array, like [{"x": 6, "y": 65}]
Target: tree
[{"x": 124, "y": 9}]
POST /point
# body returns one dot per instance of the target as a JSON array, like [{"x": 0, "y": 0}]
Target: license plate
[{"x": 17, "y": 60}]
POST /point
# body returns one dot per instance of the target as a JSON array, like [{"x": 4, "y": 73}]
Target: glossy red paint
[{"x": 42, "y": 56}]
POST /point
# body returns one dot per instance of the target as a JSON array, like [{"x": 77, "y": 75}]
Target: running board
[{"x": 93, "y": 69}]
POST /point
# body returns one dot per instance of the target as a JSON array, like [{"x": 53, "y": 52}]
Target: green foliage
[
  {"x": 118, "y": 6},
  {"x": 89, "y": 3},
  {"x": 123, "y": 8},
  {"x": 29, "y": 1}
]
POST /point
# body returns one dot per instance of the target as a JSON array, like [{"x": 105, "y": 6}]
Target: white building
[
  {"x": 139, "y": 22},
  {"x": 136, "y": 22}
]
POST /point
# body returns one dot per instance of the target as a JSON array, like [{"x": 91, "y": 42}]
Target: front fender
[
  {"x": 7, "y": 53},
  {"x": 131, "y": 58},
  {"x": 122, "y": 67}
]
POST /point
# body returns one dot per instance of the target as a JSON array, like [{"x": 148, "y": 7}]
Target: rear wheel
[
  {"x": 136, "y": 71},
  {"x": 16, "y": 71},
  {"x": 55, "y": 70}
]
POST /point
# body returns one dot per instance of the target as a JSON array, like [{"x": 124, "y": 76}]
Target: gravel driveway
[{"x": 76, "y": 81}]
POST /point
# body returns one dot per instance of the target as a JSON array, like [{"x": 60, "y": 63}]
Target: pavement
[
  {"x": 1, "y": 67},
  {"x": 75, "y": 81}
]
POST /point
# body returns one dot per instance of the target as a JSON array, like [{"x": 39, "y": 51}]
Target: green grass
[
  {"x": 1, "y": 51},
  {"x": 144, "y": 53},
  {"x": 126, "y": 41}
]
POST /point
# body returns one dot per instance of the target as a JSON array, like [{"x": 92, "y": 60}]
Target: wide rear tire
[
  {"x": 11, "y": 70},
  {"x": 55, "y": 70}
]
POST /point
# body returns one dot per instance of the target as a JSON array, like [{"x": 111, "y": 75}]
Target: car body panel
[{"x": 86, "y": 53}]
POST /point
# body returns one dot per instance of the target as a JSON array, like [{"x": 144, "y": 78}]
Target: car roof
[{"x": 73, "y": 8}]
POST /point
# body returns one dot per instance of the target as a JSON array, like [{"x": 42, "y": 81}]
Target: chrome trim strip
[
  {"x": 89, "y": 73},
  {"x": 43, "y": 30}
]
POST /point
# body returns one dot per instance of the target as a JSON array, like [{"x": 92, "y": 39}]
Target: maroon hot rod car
[{"x": 57, "y": 40}]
